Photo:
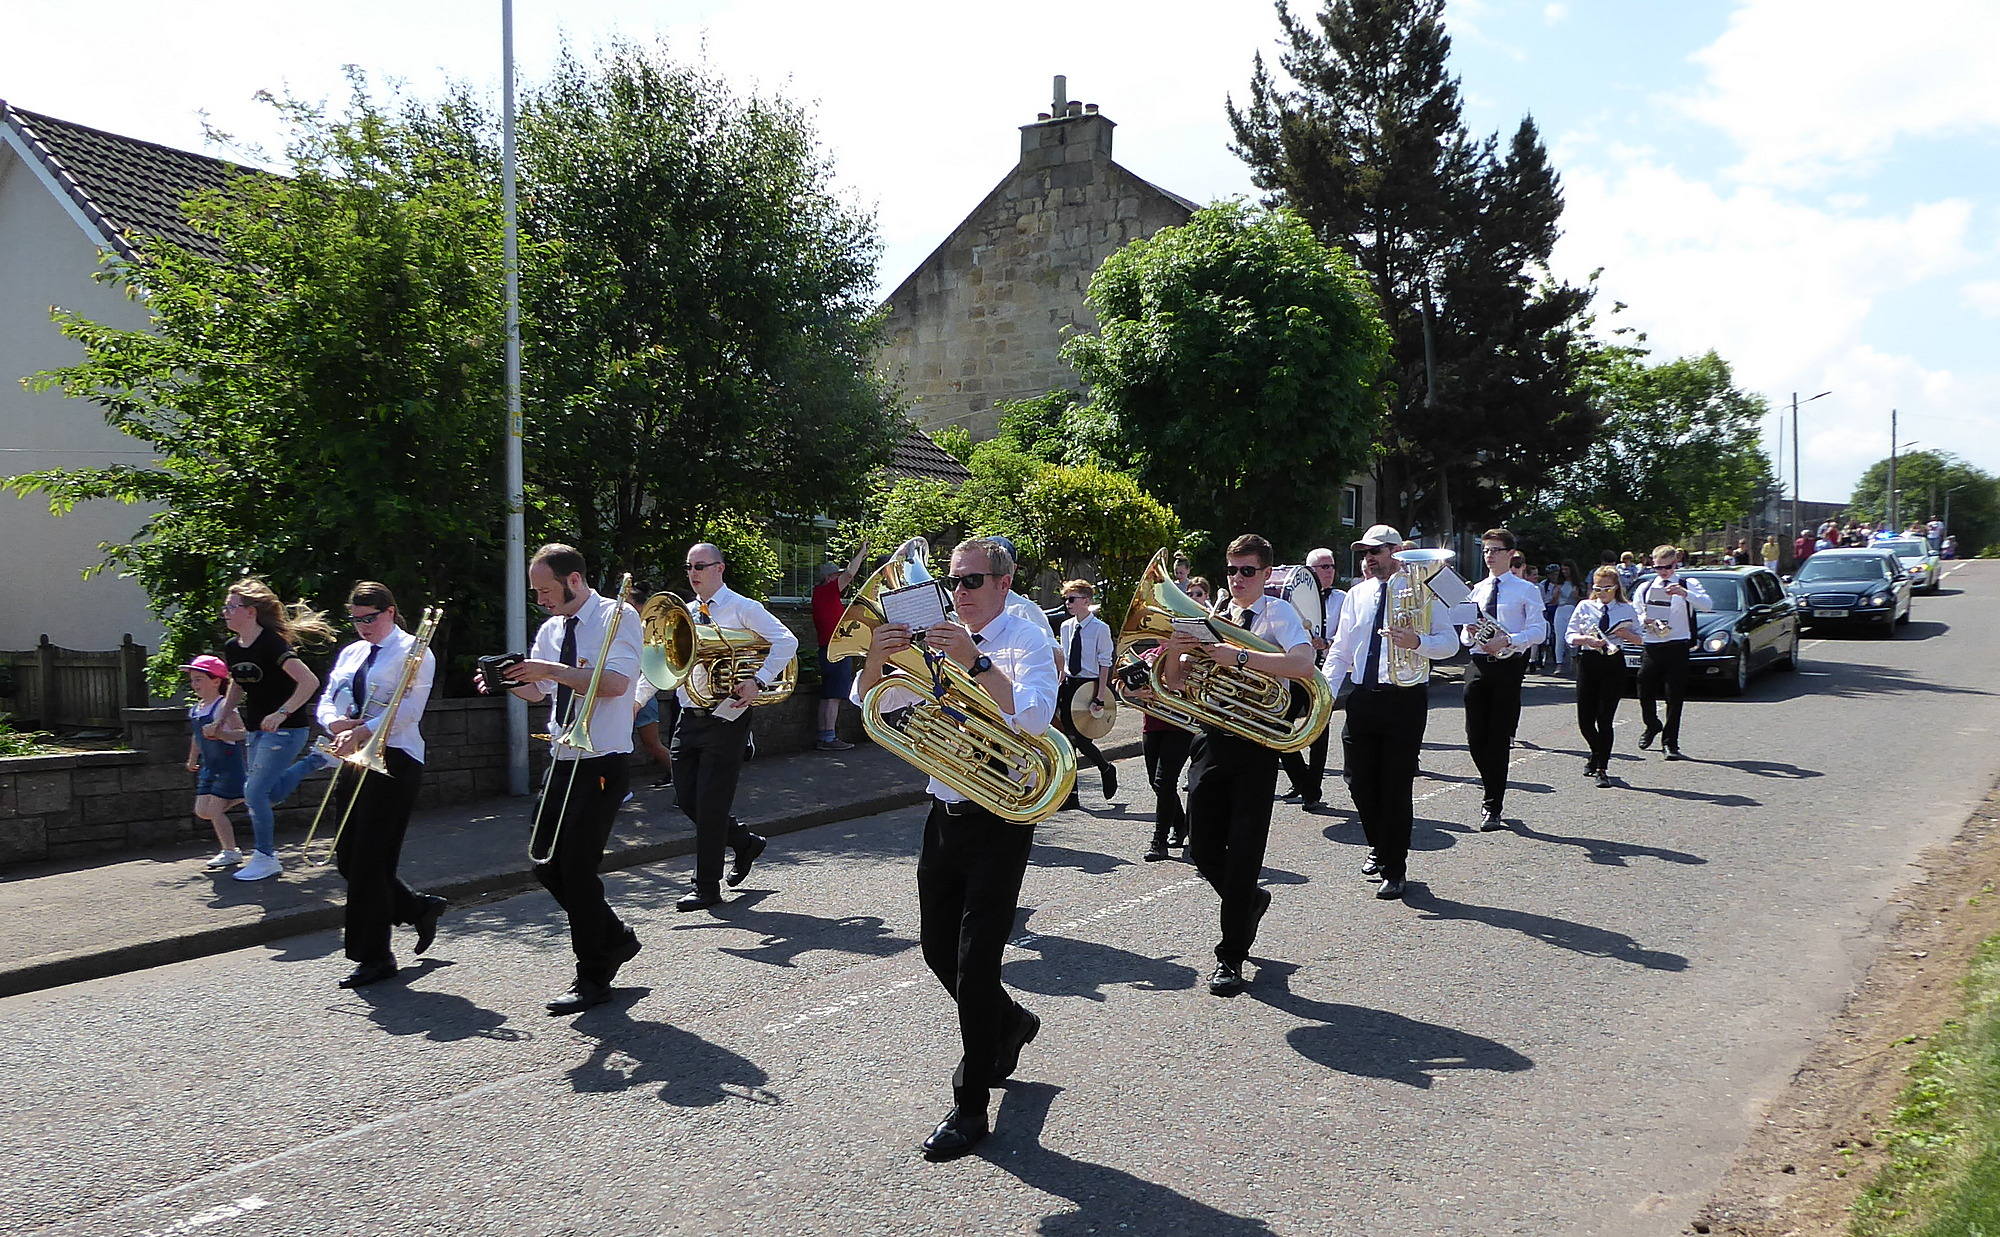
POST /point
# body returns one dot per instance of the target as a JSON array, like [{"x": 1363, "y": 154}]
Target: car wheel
[
  {"x": 1887, "y": 631},
  {"x": 1790, "y": 661},
  {"x": 1739, "y": 678}
]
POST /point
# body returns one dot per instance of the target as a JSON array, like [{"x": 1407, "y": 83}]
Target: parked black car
[
  {"x": 1865, "y": 588},
  {"x": 1755, "y": 624}
]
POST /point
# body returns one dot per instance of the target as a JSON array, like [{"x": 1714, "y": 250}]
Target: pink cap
[{"x": 209, "y": 665}]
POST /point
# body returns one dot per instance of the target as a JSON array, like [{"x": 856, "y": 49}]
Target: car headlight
[
  {"x": 1881, "y": 599},
  {"x": 1716, "y": 643}
]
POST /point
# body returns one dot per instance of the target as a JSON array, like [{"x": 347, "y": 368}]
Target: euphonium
[
  {"x": 1243, "y": 702},
  {"x": 708, "y": 661},
  {"x": 1410, "y": 607},
  {"x": 954, "y": 732},
  {"x": 367, "y": 758}
]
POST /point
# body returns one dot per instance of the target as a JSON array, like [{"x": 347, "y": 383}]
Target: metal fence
[{"x": 53, "y": 686}]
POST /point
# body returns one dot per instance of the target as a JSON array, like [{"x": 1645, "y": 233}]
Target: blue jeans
[{"x": 273, "y": 771}]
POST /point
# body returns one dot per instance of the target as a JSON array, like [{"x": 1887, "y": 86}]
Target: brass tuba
[
  {"x": 953, "y": 732},
  {"x": 1243, "y": 702},
  {"x": 708, "y": 661},
  {"x": 1411, "y": 607}
]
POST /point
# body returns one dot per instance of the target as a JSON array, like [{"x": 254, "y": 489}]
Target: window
[
  {"x": 1350, "y": 505},
  {"x": 798, "y": 562}
]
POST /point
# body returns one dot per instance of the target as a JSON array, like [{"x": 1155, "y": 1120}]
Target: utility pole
[
  {"x": 1889, "y": 499},
  {"x": 515, "y": 586},
  {"x": 1796, "y": 401}
]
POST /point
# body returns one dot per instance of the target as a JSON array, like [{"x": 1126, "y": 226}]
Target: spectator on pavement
[
  {"x": 215, "y": 756},
  {"x": 835, "y": 677}
]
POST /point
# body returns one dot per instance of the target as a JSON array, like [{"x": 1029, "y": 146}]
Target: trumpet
[
  {"x": 574, "y": 735},
  {"x": 367, "y": 758}
]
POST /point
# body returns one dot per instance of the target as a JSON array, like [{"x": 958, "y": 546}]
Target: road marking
[{"x": 214, "y": 1215}]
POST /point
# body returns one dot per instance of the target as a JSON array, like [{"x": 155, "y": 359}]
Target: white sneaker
[
  {"x": 260, "y": 867},
  {"x": 225, "y": 859}
]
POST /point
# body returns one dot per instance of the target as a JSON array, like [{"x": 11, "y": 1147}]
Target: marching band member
[
  {"x": 363, "y": 680},
  {"x": 1385, "y": 722},
  {"x": 708, "y": 748},
  {"x": 1307, "y": 770},
  {"x": 1165, "y": 747},
  {"x": 583, "y": 792},
  {"x": 1602, "y": 622},
  {"x": 1231, "y": 780},
  {"x": 1667, "y": 604},
  {"x": 1020, "y": 605},
  {"x": 1083, "y": 658},
  {"x": 970, "y": 869},
  {"x": 1493, "y": 682}
]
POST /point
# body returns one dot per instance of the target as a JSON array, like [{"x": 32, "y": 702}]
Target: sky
[{"x": 1808, "y": 187}]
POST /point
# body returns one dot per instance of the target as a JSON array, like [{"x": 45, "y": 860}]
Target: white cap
[{"x": 1380, "y": 534}]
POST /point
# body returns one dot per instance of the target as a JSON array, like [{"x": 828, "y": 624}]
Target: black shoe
[
  {"x": 1071, "y": 804},
  {"x": 662, "y": 781},
  {"x": 1674, "y": 753},
  {"x": 623, "y": 952},
  {"x": 1110, "y": 781},
  {"x": 1023, "y": 1033},
  {"x": 369, "y": 973},
  {"x": 1158, "y": 850},
  {"x": 1603, "y": 779},
  {"x": 1646, "y": 740},
  {"x": 1179, "y": 839},
  {"x": 698, "y": 899},
  {"x": 426, "y": 922},
  {"x": 582, "y": 994},
  {"x": 1373, "y": 867},
  {"x": 1293, "y": 795},
  {"x": 1309, "y": 802},
  {"x": 1226, "y": 979},
  {"x": 1590, "y": 770},
  {"x": 1492, "y": 822},
  {"x": 958, "y": 1133},
  {"x": 1389, "y": 888},
  {"x": 745, "y": 856}
]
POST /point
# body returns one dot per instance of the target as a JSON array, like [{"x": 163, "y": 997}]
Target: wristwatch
[
  {"x": 758, "y": 679},
  {"x": 981, "y": 664},
  {"x": 1242, "y": 658}
]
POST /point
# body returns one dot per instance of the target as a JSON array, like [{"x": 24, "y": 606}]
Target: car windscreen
[
  {"x": 1818, "y": 570},
  {"x": 1904, "y": 549},
  {"x": 1725, "y": 591}
]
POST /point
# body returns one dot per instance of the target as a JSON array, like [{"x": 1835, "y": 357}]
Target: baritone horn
[
  {"x": 1239, "y": 701},
  {"x": 953, "y": 732}
]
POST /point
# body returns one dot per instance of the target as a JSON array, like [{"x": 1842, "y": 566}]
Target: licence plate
[{"x": 1829, "y": 614}]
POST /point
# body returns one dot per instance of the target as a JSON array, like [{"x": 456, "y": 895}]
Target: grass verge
[{"x": 1943, "y": 1175}]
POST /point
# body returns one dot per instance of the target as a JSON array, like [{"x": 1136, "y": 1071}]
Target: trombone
[
  {"x": 367, "y": 758},
  {"x": 574, "y": 735}
]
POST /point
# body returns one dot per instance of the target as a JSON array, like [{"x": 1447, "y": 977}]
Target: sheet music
[
  {"x": 919, "y": 606},
  {"x": 1450, "y": 588},
  {"x": 1199, "y": 628}
]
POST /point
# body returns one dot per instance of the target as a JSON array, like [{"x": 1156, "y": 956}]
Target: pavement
[{"x": 108, "y": 915}]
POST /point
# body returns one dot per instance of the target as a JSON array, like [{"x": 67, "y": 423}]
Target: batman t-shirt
[{"x": 260, "y": 671}]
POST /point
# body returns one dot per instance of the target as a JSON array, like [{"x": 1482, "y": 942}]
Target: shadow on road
[
  {"x": 1066, "y": 966},
  {"x": 1767, "y": 768},
  {"x": 1697, "y": 796},
  {"x": 1106, "y": 1200},
  {"x": 442, "y": 1017},
  {"x": 690, "y": 1071},
  {"x": 1374, "y": 1043},
  {"x": 1094, "y": 862},
  {"x": 1563, "y": 933},
  {"x": 784, "y": 935},
  {"x": 1605, "y": 851}
]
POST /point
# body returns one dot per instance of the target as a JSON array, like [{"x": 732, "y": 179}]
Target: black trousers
[
  {"x": 968, "y": 891},
  {"x": 1166, "y": 752},
  {"x": 1307, "y": 769},
  {"x": 1086, "y": 751},
  {"x": 708, "y": 760},
  {"x": 1600, "y": 685},
  {"x": 1230, "y": 782},
  {"x": 1663, "y": 671},
  {"x": 1492, "y": 715},
  {"x": 370, "y": 846},
  {"x": 594, "y": 789},
  {"x": 1381, "y": 740}
]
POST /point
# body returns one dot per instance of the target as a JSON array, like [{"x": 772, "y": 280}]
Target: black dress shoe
[
  {"x": 1309, "y": 802},
  {"x": 1226, "y": 979},
  {"x": 1293, "y": 795},
  {"x": 1071, "y": 804},
  {"x": 1674, "y": 753},
  {"x": 1389, "y": 888},
  {"x": 1603, "y": 779},
  {"x": 582, "y": 994},
  {"x": 698, "y": 899},
  {"x": 621, "y": 953},
  {"x": 1179, "y": 838},
  {"x": 426, "y": 922},
  {"x": 745, "y": 856},
  {"x": 1373, "y": 867},
  {"x": 1646, "y": 740},
  {"x": 1110, "y": 781},
  {"x": 1491, "y": 823},
  {"x": 369, "y": 972},
  {"x": 1158, "y": 850},
  {"x": 1019, "y": 1036},
  {"x": 958, "y": 1133}
]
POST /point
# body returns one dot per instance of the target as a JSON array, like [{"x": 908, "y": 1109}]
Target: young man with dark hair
[{"x": 1512, "y": 609}]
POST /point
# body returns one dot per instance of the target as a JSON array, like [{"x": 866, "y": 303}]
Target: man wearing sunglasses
[
  {"x": 358, "y": 690},
  {"x": 1493, "y": 681},
  {"x": 1385, "y": 722},
  {"x": 970, "y": 869},
  {"x": 709, "y": 746},
  {"x": 1667, "y": 604},
  {"x": 1307, "y": 770},
  {"x": 1231, "y": 780}
]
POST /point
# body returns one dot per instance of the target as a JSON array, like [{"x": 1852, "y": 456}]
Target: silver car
[{"x": 1915, "y": 553}]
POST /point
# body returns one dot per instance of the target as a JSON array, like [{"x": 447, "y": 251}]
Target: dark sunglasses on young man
[{"x": 1246, "y": 569}]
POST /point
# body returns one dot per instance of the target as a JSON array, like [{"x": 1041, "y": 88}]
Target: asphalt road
[{"x": 1567, "y": 1028}]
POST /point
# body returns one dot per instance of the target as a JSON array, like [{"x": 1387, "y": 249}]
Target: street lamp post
[
  {"x": 517, "y": 567},
  {"x": 1796, "y": 401}
]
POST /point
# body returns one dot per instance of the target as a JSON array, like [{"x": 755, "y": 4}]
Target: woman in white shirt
[
  {"x": 1597, "y": 628},
  {"x": 1567, "y": 595}
]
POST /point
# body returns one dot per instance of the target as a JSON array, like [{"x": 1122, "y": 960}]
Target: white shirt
[
  {"x": 1518, "y": 610},
  {"x": 1021, "y": 652},
  {"x": 1096, "y": 645},
  {"x": 729, "y": 608},
  {"x": 1348, "y": 657},
  {"x": 1650, "y": 599},
  {"x": 1583, "y": 623},
  {"x": 1020, "y": 607},
  {"x": 337, "y": 701},
  {"x": 611, "y": 720},
  {"x": 1330, "y": 603}
]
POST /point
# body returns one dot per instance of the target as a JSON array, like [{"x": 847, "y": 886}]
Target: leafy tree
[
  {"x": 324, "y": 400},
  {"x": 1361, "y": 131},
  {"x": 699, "y": 310},
  {"x": 1235, "y": 358},
  {"x": 1679, "y": 454},
  {"x": 1925, "y": 477}
]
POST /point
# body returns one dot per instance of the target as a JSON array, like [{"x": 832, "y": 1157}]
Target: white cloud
[
  {"x": 1803, "y": 87},
  {"x": 1553, "y": 13},
  {"x": 1983, "y": 295}
]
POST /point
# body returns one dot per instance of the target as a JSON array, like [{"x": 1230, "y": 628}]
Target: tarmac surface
[{"x": 1566, "y": 1027}]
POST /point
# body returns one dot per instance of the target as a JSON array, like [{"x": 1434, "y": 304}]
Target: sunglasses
[
  {"x": 704, "y": 566},
  {"x": 362, "y": 619},
  {"x": 1373, "y": 550},
  {"x": 1077, "y": 597},
  {"x": 971, "y": 581},
  {"x": 1244, "y": 570}
]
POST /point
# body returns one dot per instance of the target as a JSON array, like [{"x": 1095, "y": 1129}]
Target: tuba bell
[
  {"x": 708, "y": 661},
  {"x": 1243, "y": 702},
  {"x": 954, "y": 732},
  {"x": 1410, "y": 606}
]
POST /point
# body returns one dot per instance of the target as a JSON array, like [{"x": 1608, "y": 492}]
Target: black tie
[
  {"x": 361, "y": 682},
  {"x": 1374, "y": 662},
  {"x": 1240, "y": 616},
  {"x": 1493, "y": 600},
  {"x": 1076, "y": 651},
  {"x": 568, "y": 658},
  {"x": 701, "y": 614},
  {"x": 1604, "y": 619}
]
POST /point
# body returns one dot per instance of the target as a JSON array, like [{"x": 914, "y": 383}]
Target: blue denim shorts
[
  {"x": 222, "y": 775},
  {"x": 835, "y": 677},
  {"x": 649, "y": 713}
]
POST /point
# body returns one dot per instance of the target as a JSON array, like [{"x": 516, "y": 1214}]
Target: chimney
[{"x": 1069, "y": 132}]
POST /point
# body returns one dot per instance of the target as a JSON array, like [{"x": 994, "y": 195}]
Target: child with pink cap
[{"x": 215, "y": 755}]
